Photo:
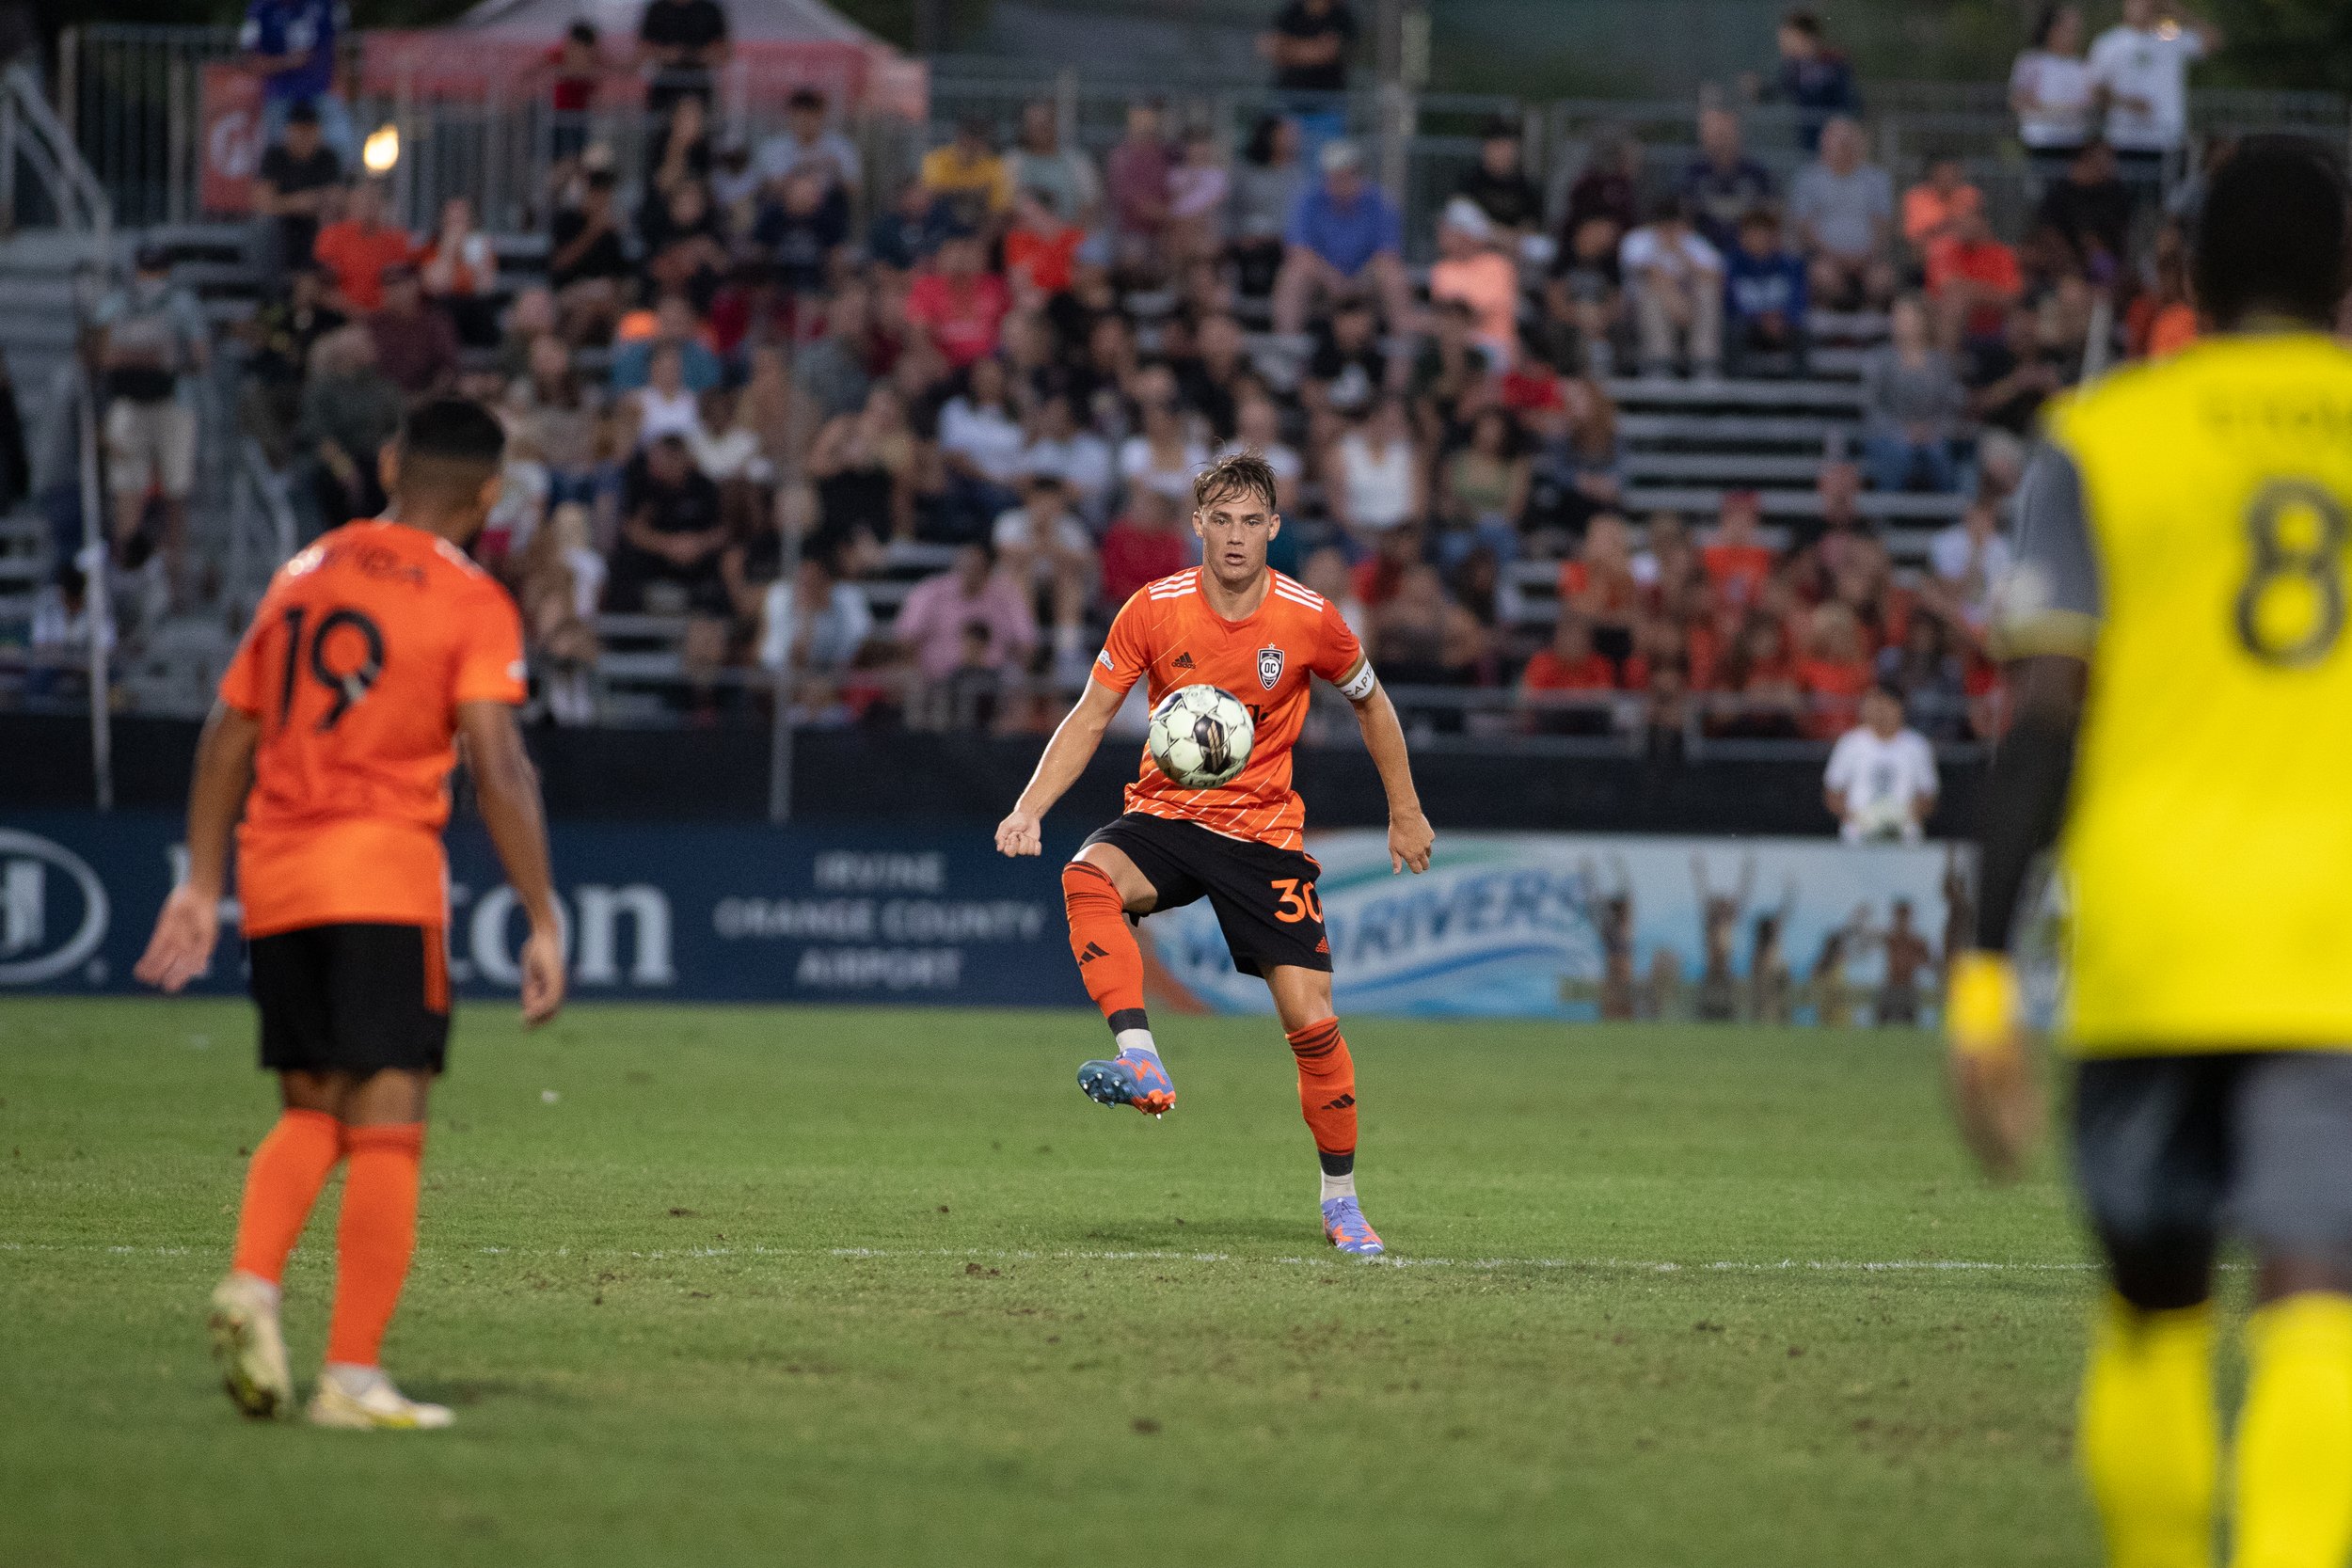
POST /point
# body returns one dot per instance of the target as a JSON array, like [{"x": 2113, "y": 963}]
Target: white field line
[{"x": 860, "y": 1254}]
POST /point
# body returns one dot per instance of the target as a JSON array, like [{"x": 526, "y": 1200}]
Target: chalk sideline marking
[{"x": 860, "y": 1254}]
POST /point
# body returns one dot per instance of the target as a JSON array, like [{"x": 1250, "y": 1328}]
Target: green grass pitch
[{"x": 714, "y": 1286}]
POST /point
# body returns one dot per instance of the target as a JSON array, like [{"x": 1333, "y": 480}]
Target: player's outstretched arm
[
  {"x": 185, "y": 932},
  {"x": 507, "y": 788},
  {"x": 1994, "y": 1086},
  {"x": 1022, "y": 830},
  {"x": 1409, "y": 832}
]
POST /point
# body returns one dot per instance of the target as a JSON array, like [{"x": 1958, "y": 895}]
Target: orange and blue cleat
[
  {"x": 1133, "y": 1078},
  {"x": 1345, "y": 1228}
]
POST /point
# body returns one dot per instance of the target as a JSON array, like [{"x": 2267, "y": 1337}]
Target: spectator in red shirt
[
  {"x": 1041, "y": 250},
  {"x": 573, "y": 71},
  {"x": 1598, "y": 584},
  {"x": 1142, "y": 546},
  {"x": 1570, "y": 667},
  {"x": 1737, "y": 561},
  {"x": 1835, "y": 672},
  {"x": 1973, "y": 278},
  {"x": 960, "y": 306},
  {"x": 356, "y": 251}
]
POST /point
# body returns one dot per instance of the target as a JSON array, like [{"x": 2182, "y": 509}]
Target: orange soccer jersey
[
  {"x": 356, "y": 662},
  {"x": 1168, "y": 634}
]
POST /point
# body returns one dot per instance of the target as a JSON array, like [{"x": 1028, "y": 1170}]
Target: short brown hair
[{"x": 1242, "y": 472}]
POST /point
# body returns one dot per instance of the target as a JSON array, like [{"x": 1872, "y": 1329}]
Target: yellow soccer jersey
[{"x": 2184, "y": 529}]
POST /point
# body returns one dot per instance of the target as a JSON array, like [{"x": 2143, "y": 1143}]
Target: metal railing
[{"x": 32, "y": 135}]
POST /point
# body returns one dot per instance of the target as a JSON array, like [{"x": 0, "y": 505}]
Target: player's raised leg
[
  {"x": 1326, "y": 1098},
  {"x": 1100, "y": 888}
]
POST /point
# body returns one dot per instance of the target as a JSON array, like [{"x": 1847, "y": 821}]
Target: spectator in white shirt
[
  {"x": 1258, "y": 427},
  {"x": 1970, "y": 560},
  {"x": 980, "y": 442},
  {"x": 1844, "y": 213},
  {"x": 1059, "y": 446},
  {"x": 1881, "y": 783},
  {"x": 1675, "y": 281},
  {"x": 2141, "y": 68},
  {"x": 2051, "y": 94},
  {"x": 1042, "y": 544}
]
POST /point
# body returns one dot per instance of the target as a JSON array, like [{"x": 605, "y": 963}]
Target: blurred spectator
[
  {"x": 835, "y": 373},
  {"x": 2163, "y": 320},
  {"x": 1568, "y": 666},
  {"x": 562, "y": 579},
  {"x": 968, "y": 177},
  {"x": 1972, "y": 278},
  {"x": 357, "y": 248},
  {"x": 1608, "y": 187},
  {"x": 665, "y": 405},
  {"x": 1930, "y": 675},
  {"x": 291, "y": 45},
  {"x": 1164, "y": 453},
  {"x": 1267, "y": 188},
  {"x": 64, "y": 621},
  {"x": 821, "y": 645},
  {"x": 2141, "y": 68},
  {"x": 932, "y": 620},
  {"x": 1970, "y": 560},
  {"x": 666, "y": 562},
  {"x": 1471, "y": 267},
  {"x": 914, "y": 225},
  {"x": 1813, "y": 77},
  {"x": 550, "y": 407},
  {"x": 1197, "y": 187},
  {"x": 801, "y": 229},
  {"x": 1582, "y": 303},
  {"x": 1348, "y": 368},
  {"x": 1837, "y": 503},
  {"x": 1934, "y": 209},
  {"x": 1735, "y": 560},
  {"x": 1058, "y": 445},
  {"x": 956, "y": 304},
  {"x": 674, "y": 326},
  {"x": 350, "y": 409},
  {"x": 1258, "y": 428},
  {"x": 2091, "y": 209},
  {"x": 1146, "y": 544},
  {"x": 1499, "y": 184},
  {"x": 297, "y": 178},
  {"x": 281, "y": 336},
  {"x": 460, "y": 272},
  {"x": 1911, "y": 398},
  {"x": 1041, "y": 250},
  {"x": 864, "y": 465},
  {"x": 1722, "y": 185},
  {"x": 2053, "y": 93},
  {"x": 1040, "y": 162},
  {"x": 586, "y": 263},
  {"x": 1372, "y": 482},
  {"x": 1136, "y": 175},
  {"x": 1578, "y": 464},
  {"x": 680, "y": 44},
  {"x": 1423, "y": 636},
  {"x": 2009, "y": 377},
  {"x": 1481, "y": 491},
  {"x": 680, "y": 237},
  {"x": 1042, "y": 544},
  {"x": 1308, "y": 45},
  {"x": 153, "y": 339},
  {"x": 573, "y": 70},
  {"x": 980, "y": 447},
  {"x": 1343, "y": 236},
  {"x": 1675, "y": 280},
  {"x": 1835, "y": 672},
  {"x": 1844, "y": 210},
  {"x": 1598, "y": 584},
  {"x": 1881, "y": 782},
  {"x": 415, "y": 339},
  {"x": 1764, "y": 298},
  {"x": 807, "y": 143}
]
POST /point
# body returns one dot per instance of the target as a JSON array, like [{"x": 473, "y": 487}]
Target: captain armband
[{"x": 1358, "y": 685}]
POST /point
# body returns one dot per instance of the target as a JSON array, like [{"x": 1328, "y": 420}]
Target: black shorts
[
  {"x": 1265, "y": 897},
  {"x": 353, "y": 998},
  {"x": 2174, "y": 1151}
]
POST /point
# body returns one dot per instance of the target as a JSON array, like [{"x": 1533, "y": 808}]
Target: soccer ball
[{"x": 1201, "y": 736}]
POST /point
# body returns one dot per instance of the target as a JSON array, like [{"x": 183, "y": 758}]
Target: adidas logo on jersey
[{"x": 1183, "y": 661}]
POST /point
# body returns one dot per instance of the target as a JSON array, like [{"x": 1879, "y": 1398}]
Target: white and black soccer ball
[{"x": 1201, "y": 736}]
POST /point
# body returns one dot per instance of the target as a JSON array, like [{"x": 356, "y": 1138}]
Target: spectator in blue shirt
[
  {"x": 1764, "y": 297},
  {"x": 676, "y": 327},
  {"x": 291, "y": 45},
  {"x": 1345, "y": 238},
  {"x": 1722, "y": 185},
  {"x": 1814, "y": 77}
]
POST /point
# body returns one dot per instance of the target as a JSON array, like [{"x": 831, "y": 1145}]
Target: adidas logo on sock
[
  {"x": 1094, "y": 950},
  {"x": 1341, "y": 1103},
  {"x": 1183, "y": 661}
]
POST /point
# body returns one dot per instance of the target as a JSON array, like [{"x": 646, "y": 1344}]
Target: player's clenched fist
[
  {"x": 1020, "y": 833},
  {"x": 1409, "y": 838}
]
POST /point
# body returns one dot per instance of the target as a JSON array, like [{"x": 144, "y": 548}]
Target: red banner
[
  {"x": 453, "y": 65},
  {"x": 230, "y": 119}
]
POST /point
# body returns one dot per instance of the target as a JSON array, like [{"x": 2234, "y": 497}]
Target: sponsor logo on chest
[{"x": 1269, "y": 667}]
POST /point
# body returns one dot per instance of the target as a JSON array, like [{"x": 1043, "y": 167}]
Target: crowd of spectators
[{"x": 746, "y": 391}]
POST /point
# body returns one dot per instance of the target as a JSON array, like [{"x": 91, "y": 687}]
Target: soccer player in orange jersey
[
  {"x": 374, "y": 653},
  {"x": 1232, "y": 623}
]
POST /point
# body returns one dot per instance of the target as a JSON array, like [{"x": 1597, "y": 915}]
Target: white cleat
[
  {"x": 249, "y": 1348},
  {"x": 367, "y": 1402}
]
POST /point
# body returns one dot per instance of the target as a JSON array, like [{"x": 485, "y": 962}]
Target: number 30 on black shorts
[{"x": 1264, "y": 898}]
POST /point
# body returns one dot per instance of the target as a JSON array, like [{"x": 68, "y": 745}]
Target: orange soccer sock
[
  {"x": 1326, "y": 1092},
  {"x": 375, "y": 1238},
  {"x": 1110, "y": 965},
  {"x": 280, "y": 1185}
]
